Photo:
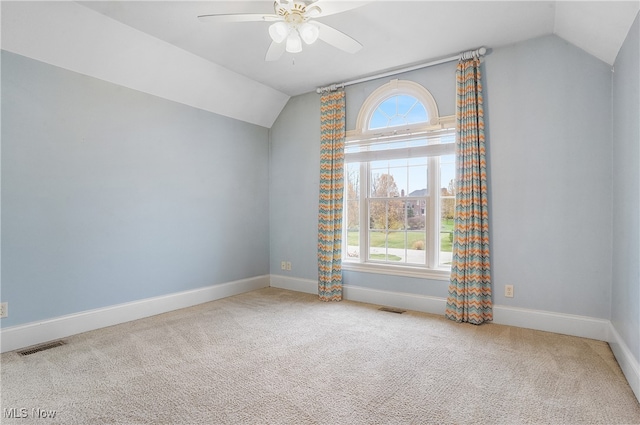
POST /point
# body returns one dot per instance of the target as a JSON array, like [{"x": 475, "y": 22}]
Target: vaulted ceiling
[{"x": 394, "y": 34}]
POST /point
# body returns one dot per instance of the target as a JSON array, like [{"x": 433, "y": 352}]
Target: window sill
[{"x": 407, "y": 271}]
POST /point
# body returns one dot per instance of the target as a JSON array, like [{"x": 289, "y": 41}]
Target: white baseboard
[
  {"x": 628, "y": 363},
  {"x": 423, "y": 303},
  {"x": 567, "y": 324},
  {"x": 560, "y": 323},
  {"x": 16, "y": 337},
  {"x": 294, "y": 284}
]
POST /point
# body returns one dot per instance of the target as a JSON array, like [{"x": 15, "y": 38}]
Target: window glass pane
[
  {"x": 417, "y": 180},
  {"x": 378, "y": 120},
  {"x": 447, "y": 205},
  {"x": 353, "y": 180},
  {"x": 381, "y": 254},
  {"x": 417, "y": 245},
  {"x": 389, "y": 107},
  {"x": 396, "y": 247},
  {"x": 353, "y": 244},
  {"x": 399, "y": 175},
  {"x": 396, "y": 215},
  {"x": 397, "y": 111},
  {"x": 352, "y": 214},
  {"x": 405, "y": 104},
  {"x": 417, "y": 115},
  {"x": 416, "y": 214},
  {"x": 383, "y": 184},
  {"x": 378, "y": 245},
  {"x": 378, "y": 215},
  {"x": 447, "y": 175},
  {"x": 446, "y": 241}
]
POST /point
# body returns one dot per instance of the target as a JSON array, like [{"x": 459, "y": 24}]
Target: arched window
[
  {"x": 401, "y": 110},
  {"x": 399, "y": 184}
]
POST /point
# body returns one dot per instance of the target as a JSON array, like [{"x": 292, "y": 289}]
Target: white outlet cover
[{"x": 508, "y": 291}]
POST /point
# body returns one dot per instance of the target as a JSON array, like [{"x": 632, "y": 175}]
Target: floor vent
[
  {"x": 41, "y": 347},
  {"x": 392, "y": 310}
]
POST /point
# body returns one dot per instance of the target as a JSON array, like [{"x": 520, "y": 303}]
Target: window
[{"x": 399, "y": 185}]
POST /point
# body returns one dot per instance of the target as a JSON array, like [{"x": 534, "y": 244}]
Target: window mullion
[
  {"x": 364, "y": 212},
  {"x": 433, "y": 228}
]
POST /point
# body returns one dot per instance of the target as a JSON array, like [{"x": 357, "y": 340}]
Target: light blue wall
[
  {"x": 294, "y": 181},
  {"x": 549, "y": 151},
  {"x": 110, "y": 195},
  {"x": 548, "y": 107},
  {"x": 625, "y": 295}
]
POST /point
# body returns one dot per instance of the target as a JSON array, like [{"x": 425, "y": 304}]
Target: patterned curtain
[
  {"x": 332, "y": 137},
  {"x": 470, "y": 287}
]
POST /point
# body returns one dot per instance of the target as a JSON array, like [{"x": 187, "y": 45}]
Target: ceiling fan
[{"x": 294, "y": 23}]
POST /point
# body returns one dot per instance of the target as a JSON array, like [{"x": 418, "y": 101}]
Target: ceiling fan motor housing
[{"x": 294, "y": 27}]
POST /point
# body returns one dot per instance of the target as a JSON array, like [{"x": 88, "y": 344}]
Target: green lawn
[
  {"x": 396, "y": 239},
  {"x": 389, "y": 257},
  {"x": 446, "y": 232}
]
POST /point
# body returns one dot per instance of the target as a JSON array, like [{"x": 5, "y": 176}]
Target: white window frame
[{"x": 362, "y": 135}]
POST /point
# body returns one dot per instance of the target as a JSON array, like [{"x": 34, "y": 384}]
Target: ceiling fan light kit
[
  {"x": 294, "y": 34},
  {"x": 279, "y": 31},
  {"x": 309, "y": 32},
  {"x": 293, "y": 25},
  {"x": 294, "y": 42}
]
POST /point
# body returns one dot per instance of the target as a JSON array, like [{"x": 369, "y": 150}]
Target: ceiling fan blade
[
  {"x": 333, "y": 7},
  {"x": 336, "y": 38},
  {"x": 275, "y": 51},
  {"x": 239, "y": 17}
]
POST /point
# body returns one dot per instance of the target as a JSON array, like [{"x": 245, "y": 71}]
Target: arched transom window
[{"x": 401, "y": 110}]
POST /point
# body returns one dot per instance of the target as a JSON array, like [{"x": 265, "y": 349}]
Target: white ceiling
[
  {"x": 394, "y": 33},
  {"x": 162, "y": 48}
]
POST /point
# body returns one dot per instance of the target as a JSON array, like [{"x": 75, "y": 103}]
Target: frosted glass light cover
[
  {"x": 294, "y": 43},
  {"x": 309, "y": 33},
  {"x": 279, "y": 32}
]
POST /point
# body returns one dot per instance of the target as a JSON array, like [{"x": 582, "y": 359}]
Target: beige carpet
[{"x": 274, "y": 356}]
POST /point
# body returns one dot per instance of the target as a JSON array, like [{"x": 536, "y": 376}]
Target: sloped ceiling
[
  {"x": 162, "y": 48},
  {"x": 597, "y": 27}
]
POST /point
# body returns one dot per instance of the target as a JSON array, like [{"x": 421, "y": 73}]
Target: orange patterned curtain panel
[
  {"x": 332, "y": 138},
  {"x": 470, "y": 288}
]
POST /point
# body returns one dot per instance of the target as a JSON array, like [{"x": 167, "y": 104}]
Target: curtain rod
[{"x": 464, "y": 55}]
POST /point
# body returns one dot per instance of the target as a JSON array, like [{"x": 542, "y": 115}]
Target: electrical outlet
[
  {"x": 508, "y": 291},
  {"x": 283, "y": 265},
  {"x": 4, "y": 310},
  {"x": 288, "y": 265}
]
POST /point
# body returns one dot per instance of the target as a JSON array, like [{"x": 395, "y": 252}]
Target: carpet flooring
[{"x": 280, "y": 357}]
